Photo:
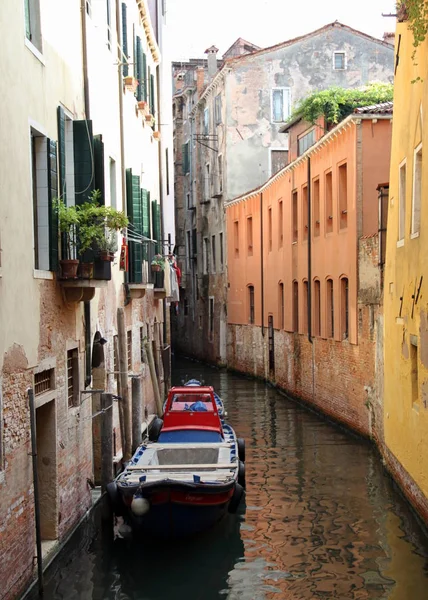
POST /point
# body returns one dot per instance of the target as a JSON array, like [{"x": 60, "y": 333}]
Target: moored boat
[{"x": 188, "y": 478}]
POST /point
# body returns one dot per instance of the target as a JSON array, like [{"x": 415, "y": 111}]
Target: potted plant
[
  {"x": 68, "y": 220},
  {"x": 143, "y": 106},
  {"x": 157, "y": 135},
  {"x": 158, "y": 262}
]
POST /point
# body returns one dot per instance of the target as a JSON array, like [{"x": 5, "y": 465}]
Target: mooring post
[
  {"x": 123, "y": 368},
  {"x": 106, "y": 440},
  {"x": 153, "y": 376},
  {"x": 137, "y": 412},
  {"x": 36, "y": 491}
]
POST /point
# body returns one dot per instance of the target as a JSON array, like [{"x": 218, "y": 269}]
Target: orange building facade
[{"x": 305, "y": 272}]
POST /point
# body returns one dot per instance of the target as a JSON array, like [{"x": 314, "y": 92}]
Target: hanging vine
[{"x": 415, "y": 13}]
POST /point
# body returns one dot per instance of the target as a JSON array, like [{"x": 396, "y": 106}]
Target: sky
[{"x": 195, "y": 25}]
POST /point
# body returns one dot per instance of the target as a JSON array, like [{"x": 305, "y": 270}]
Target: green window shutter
[
  {"x": 156, "y": 226},
  {"x": 53, "y": 215},
  {"x": 145, "y": 220},
  {"x": 137, "y": 222},
  {"x": 130, "y": 213},
  {"x": 152, "y": 95},
  {"x": 159, "y": 228},
  {"x": 84, "y": 176},
  {"x": 62, "y": 192},
  {"x": 144, "y": 66},
  {"x": 124, "y": 40},
  {"x": 99, "y": 166},
  {"x": 139, "y": 69}
]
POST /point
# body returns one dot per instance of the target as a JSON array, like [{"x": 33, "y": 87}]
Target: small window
[
  {"x": 206, "y": 121},
  {"x": 305, "y": 212},
  {"x": 44, "y": 382},
  {"x": 207, "y": 188},
  {"x": 221, "y": 250},
  {"x": 281, "y": 306},
  {"x": 236, "y": 238},
  {"x": 115, "y": 356},
  {"x": 73, "y": 377},
  {"x": 39, "y": 153},
  {"x": 344, "y": 309},
  {"x": 186, "y": 158},
  {"x": 295, "y": 222},
  {"x": 188, "y": 249},
  {"x": 280, "y": 224},
  {"x": 250, "y": 235},
  {"x": 402, "y": 202},
  {"x": 206, "y": 256},
  {"x": 251, "y": 304},
  {"x": 270, "y": 227},
  {"x": 417, "y": 191},
  {"x": 343, "y": 196},
  {"x": 306, "y": 141},
  {"x": 316, "y": 208},
  {"x": 329, "y": 202},
  {"x": 213, "y": 254},
  {"x": 330, "y": 308},
  {"x": 295, "y": 306},
  {"x": 339, "y": 61},
  {"x": 305, "y": 306},
  {"x": 32, "y": 23},
  {"x": 317, "y": 308},
  {"x": 217, "y": 109},
  {"x": 220, "y": 174},
  {"x": 129, "y": 349},
  {"x": 280, "y": 104}
]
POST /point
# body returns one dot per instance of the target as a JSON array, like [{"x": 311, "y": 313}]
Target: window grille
[{"x": 43, "y": 382}]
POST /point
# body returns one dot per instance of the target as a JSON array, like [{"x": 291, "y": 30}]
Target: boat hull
[{"x": 177, "y": 510}]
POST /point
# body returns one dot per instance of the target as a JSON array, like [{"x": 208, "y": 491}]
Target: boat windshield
[{"x": 194, "y": 402}]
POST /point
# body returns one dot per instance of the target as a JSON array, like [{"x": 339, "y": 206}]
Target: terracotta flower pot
[
  {"x": 69, "y": 268},
  {"x": 86, "y": 270},
  {"x": 156, "y": 268},
  {"x": 106, "y": 255}
]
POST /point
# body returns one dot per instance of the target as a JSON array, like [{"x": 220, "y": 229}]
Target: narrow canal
[{"x": 321, "y": 521}]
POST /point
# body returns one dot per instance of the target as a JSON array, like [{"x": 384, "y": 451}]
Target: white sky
[{"x": 194, "y": 25}]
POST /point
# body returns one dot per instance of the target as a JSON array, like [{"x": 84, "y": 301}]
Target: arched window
[
  {"x": 281, "y": 306},
  {"x": 317, "y": 308},
  {"x": 251, "y": 304},
  {"x": 295, "y": 306},
  {"x": 344, "y": 308},
  {"x": 330, "y": 308}
]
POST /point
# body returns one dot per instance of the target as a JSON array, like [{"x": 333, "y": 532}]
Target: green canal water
[{"x": 321, "y": 520}]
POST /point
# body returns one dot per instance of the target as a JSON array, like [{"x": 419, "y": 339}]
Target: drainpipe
[
  {"x": 309, "y": 255},
  {"x": 87, "y": 305},
  {"x": 262, "y": 281}
]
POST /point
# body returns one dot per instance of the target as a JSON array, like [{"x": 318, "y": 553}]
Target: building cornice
[
  {"x": 354, "y": 119},
  {"x": 150, "y": 35},
  {"x": 219, "y": 77}
]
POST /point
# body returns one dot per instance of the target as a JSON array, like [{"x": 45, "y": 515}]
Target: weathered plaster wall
[{"x": 303, "y": 66}]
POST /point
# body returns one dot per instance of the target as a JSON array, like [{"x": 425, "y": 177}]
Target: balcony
[
  {"x": 141, "y": 276},
  {"x": 90, "y": 276}
]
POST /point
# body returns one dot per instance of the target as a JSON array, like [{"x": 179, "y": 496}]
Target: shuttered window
[
  {"x": 145, "y": 86},
  {"x": 133, "y": 199},
  {"x": 84, "y": 179},
  {"x": 61, "y": 153},
  {"x": 52, "y": 215},
  {"x": 99, "y": 166},
  {"x": 138, "y": 60},
  {"x": 156, "y": 226},
  {"x": 152, "y": 95},
  {"x": 124, "y": 40},
  {"x": 186, "y": 162},
  {"x": 145, "y": 209}
]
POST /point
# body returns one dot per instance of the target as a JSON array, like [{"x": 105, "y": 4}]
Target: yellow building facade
[{"x": 406, "y": 277}]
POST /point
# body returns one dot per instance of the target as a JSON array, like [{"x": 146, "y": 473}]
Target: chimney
[
  {"x": 200, "y": 80},
  {"x": 389, "y": 37},
  {"x": 212, "y": 61}
]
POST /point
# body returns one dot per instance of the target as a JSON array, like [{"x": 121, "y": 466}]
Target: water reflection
[{"x": 322, "y": 521}]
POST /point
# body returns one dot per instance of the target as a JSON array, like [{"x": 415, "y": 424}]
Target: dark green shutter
[
  {"x": 124, "y": 40},
  {"x": 139, "y": 73},
  {"x": 145, "y": 219},
  {"x": 53, "y": 215},
  {"x": 61, "y": 152},
  {"x": 144, "y": 67},
  {"x": 99, "y": 166},
  {"x": 84, "y": 175},
  {"x": 156, "y": 226},
  {"x": 152, "y": 95},
  {"x": 133, "y": 202},
  {"x": 130, "y": 212}
]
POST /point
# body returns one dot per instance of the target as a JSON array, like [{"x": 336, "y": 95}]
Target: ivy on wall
[
  {"x": 337, "y": 103},
  {"x": 415, "y": 13}
]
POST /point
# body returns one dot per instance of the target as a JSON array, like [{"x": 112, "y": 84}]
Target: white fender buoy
[{"x": 140, "y": 506}]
